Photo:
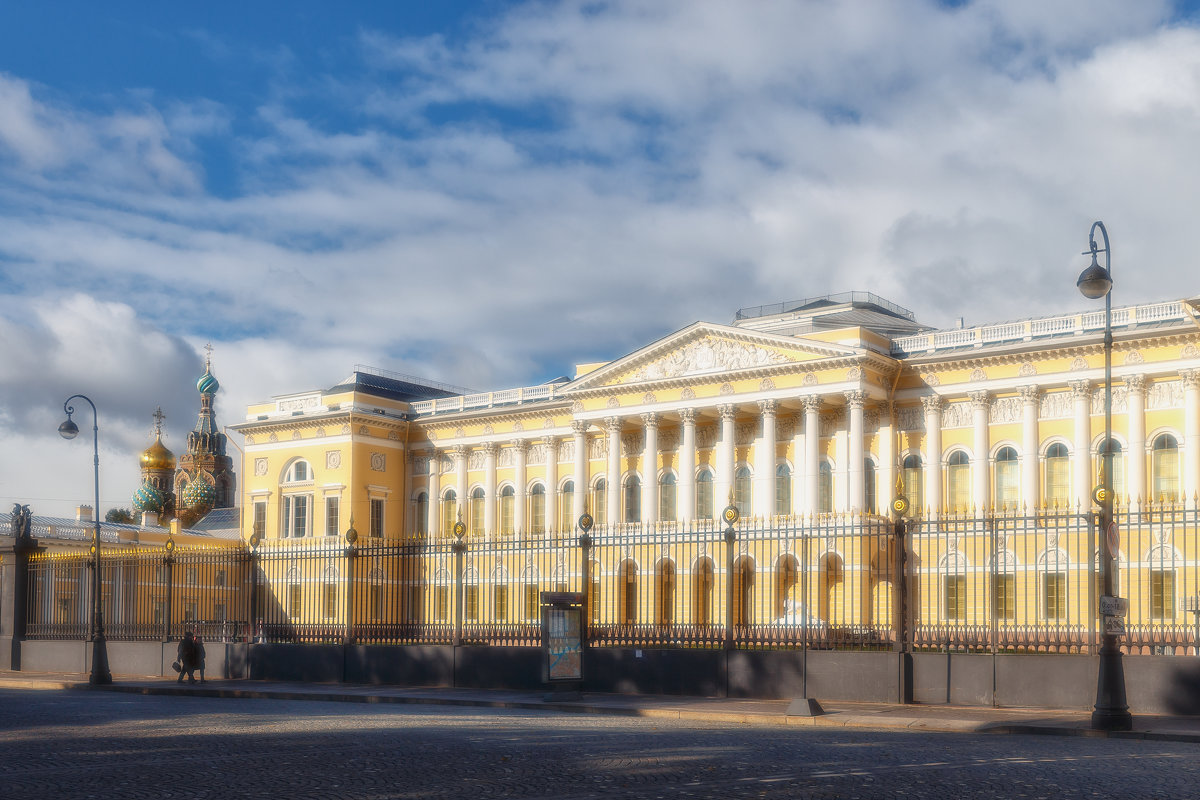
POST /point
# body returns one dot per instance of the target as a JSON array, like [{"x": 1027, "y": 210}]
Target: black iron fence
[{"x": 994, "y": 583}]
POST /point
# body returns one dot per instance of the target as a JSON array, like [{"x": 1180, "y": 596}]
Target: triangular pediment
[{"x": 707, "y": 349}]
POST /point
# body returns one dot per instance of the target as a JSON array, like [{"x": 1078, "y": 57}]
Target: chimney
[
  {"x": 150, "y": 519},
  {"x": 83, "y": 513}
]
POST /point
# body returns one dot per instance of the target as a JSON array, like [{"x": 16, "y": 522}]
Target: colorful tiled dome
[
  {"x": 199, "y": 494},
  {"x": 207, "y": 383},
  {"x": 148, "y": 498}
]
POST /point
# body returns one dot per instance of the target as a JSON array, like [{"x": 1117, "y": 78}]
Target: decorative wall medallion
[
  {"x": 296, "y": 435},
  {"x": 273, "y": 438},
  {"x": 548, "y": 423},
  {"x": 249, "y": 440},
  {"x": 854, "y": 374},
  {"x": 1160, "y": 533},
  {"x": 459, "y": 432},
  {"x": 1079, "y": 363},
  {"x": 688, "y": 394},
  {"x": 394, "y": 436},
  {"x": 362, "y": 431},
  {"x": 1133, "y": 357},
  {"x": 1190, "y": 351},
  {"x": 346, "y": 430},
  {"x": 613, "y": 403},
  {"x": 726, "y": 389},
  {"x": 433, "y": 436},
  {"x": 1026, "y": 369},
  {"x": 333, "y": 459},
  {"x": 766, "y": 384},
  {"x": 378, "y": 462},
  {"x": 576, "y": 407},
  {"x": 978, "y": 375},
  {"x": 488, "y": 430},
  {"x": 810, "y": 379},
  {"x": 320, "y": 431},
  {"x": 931, "y": 379},
  {"x": 1052, "y": 537},
  {"x": 649, "y": 397},
  {"x": 708, "y": 355},
  {"x": 829, "y": 545},
  {"x": 260, "y": 467},
  {"x": 743, "y": 546}
]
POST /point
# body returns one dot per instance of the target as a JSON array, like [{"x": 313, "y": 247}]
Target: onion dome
[
  {"x": 148, "y": 498},
  {"x": 199, "y": 495},
  {"x": 158, "y": 457},
  {"x": 207, "y": 384}
]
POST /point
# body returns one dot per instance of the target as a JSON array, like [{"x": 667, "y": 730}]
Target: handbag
[{"x": 175, "y": 665}]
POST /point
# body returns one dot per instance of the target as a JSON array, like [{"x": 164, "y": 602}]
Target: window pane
[
  {"x": 783, "y": 490},
  {"x": 1058, "y": 474},
  {"x": 633, "y": 499},
  {"x": 742, "y": 492},
  {"x": 666, "y": 498},
  {"x": 825, "y": 489},
  {"x": 566, "y": 508},
  {"x": 537, "y": 509},
  {"x": 376, "y": 518},
  {"x": 704, "y": 495}
]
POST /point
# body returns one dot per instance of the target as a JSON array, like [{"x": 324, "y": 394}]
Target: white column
[
  {"x": 581, "y": 478},
  {"x": 764, "y": 461},
  {"x": 490, "y": 501},
  {"x": 520, "y": 451},
  {"x": 885, "y": 487},
  {"x": 980, "y": 474},
  {"x": 855, "y": 454},
  {"x": 933, "y": 450},
  {"x": 687, "y": 467},
  {"x": 1191, "y": 436},
  {"x": 650, "y": 468},
  {"x": 798, "y": 477},
  {"x": 435, "y": 493},
  {"x": 1081, "y": 461},
  {"x": 1135, "y": 454},
  {"x": 1030, "y": 472},
  {"x": 726, "y": 455},
  {"x": 551, "y": 483},
  {"x": 409, "y": 526},
  {"x": 613, "y": 510},
  {"x": 812, "y": 453},
  {"x": 460, "y": 473}
]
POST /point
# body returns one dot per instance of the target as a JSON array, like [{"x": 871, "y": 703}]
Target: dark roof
[{"x": 395, "y": 386}]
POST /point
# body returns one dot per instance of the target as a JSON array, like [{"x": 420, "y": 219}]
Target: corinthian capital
[
  {"x": 1081, "y": 390},
  {"x": 687, "y": 416},
  {"x": 855, "y": 399},
  {"x": 580, "y": 426},
  {"x": 979, "y": 399},
  {"x": 1190, "y": 377},
  {"x": 612, "y": 424},
  {"x": 767, "y": 407},
  {"x": 650, "y": 419},
  {"x": 812, "y": 404},
  {"x": 727, "y": 411},
  {"x": 1029, "y": 394},
  {"x": 933, "y": 403}
]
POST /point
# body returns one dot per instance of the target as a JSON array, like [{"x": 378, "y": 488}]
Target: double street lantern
[
  {"x": 69, "y": 430},
  {"x": 1111, "y": 712}
]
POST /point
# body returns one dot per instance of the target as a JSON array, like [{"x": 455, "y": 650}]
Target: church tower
[
  {"x": 157, "y": 492},
  {"x": 205, "y": 478}
]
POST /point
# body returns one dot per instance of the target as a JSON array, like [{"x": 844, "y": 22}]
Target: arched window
[
  {"x": 958, "y": 481},
  {"x": 1165, "y": 465},
  {"x": 702, "y": 592},
  {"x": 825, "y": 488},
  {"x": 566, "y": 508},
  {"x": 783, "y": 490},
  {"x": 913, "y": 488},
  {"x": 600, "y": 502},
  {"x": 664, "y": 601},
  {"x": 1008, "y": 479},
  {"x": 449, "y": 512},
  {"x": 743, "y": 592},
  {"x": 1117, "y": 472},
  {"x": 704, "y": 494},
  {"x": 507, "y": 500},
  {"x": 477, "y": 507},
  {"x": 666, "y": 497},
  {"x": 786, "y": 572},
  {"x": 627, "y": 593},
  {"x": 298, "y": 472},
  {"x": 633, "y": 498},
  {"x": 1056, "y": 490},
  {"x": 868, "y": 485},
  {"x": 422, "y": 526},
  {"x": 742, "y": 495},
  {"x": 537, "y": 509}
]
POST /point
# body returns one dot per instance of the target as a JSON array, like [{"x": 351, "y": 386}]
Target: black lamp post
[
  {"x": 69, "y": 430},
  {"x": 1112, "y": 711}
]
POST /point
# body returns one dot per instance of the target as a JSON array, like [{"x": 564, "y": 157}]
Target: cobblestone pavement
[{"x": 79, "y": 744}]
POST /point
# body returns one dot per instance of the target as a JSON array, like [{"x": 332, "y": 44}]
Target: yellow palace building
[{"x": 808, "y": 415}]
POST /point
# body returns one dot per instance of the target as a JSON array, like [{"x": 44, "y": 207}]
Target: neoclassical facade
[{"x": 809, "y": 408}]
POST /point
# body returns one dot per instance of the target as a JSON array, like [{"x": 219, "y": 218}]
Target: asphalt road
[{"x": 62, "y": 744}]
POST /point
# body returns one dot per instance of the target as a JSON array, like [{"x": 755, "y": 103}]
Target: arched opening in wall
[
  {"x": 743, "y": 592},
  {"x": 703, "y": 580},
  {"x": 1007, "y": 489},
  {"x": 742, "y": 491},
  {"x": 537, "y": 509},
  {"x": 1165, "y": 467},
  {"x": 883, "y": 567},
  {"x": 783, "y": 490},
  {"x": 507, "y": 506},
  {"x": 566, "y": 508},
  {"x": 666, "y": 497},
  {"x": 832, "y": 596},
  {"x": 627, "y": 593},
  {"x": 664, "y": 601},
  {"x": 633, "y": 498},
  {"x": 704, "y": 494},
  {"x": 478, "y": 500},
  {"x": 414, "y": 594},
  {"x": 1117, "y": 468},
  {"x": 958, "y": 482},
  {"x": 787, "y": 572},
  {"x": 449, "y": 512},
  {"x": 911, "y": 473},
  {"x": 600, "y": 502},
  {"x": 441, "y": 595},
  {"x": 825, "y": 488},
  {"x": 1057, "y": 476}
]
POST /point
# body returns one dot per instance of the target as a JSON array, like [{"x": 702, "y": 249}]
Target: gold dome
[{"x": 157, "y": 456}]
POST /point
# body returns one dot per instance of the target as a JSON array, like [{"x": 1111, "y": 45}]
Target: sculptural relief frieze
[{"x": 708, "y": 355}]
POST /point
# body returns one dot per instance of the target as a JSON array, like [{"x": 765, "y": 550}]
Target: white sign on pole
[
  {"x": 1114, "y": 626},
  {"x": 1114, "y": 539},
  {"x": 1114, "y": 606}
]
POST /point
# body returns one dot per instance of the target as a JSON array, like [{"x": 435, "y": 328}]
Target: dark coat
[{"x": 188, "y": 654}]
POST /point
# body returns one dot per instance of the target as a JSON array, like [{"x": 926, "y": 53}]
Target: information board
[{"x": 564, "y": 643}]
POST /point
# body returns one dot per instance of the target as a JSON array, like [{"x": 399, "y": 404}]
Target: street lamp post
[
  {"x": 69, "y": 430},
  {"x": 1112, "y": 711}
]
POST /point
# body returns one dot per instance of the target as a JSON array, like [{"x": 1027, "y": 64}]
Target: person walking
[
  {"x": 187, "y": 655},
  {"x": 200, "y": 656}
]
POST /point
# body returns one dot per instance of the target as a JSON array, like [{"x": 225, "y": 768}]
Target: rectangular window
[
  {"x": 332, "y": 512},
  {"x": 955, "y": 588},
  {"x": 331, "y": 597},
  {"x": 566, "y": 510},
  {"x": 295, "y": 599},
  {"x": 374, "y": 602},
  {"x": 600, "y": 506},
  {"x": 441, "y": 600},
  {"x": 296, "y": 513},
  {"x": 704, "y": 497},
  {"x": 594, "y": 598},
  {"x": 958, "y": 482},
  {"x": 1162, "y": 594},
  {"x": 1058, "y": 475},
  {"x": 376, "y": 518},
  {"x": 472, "y": 609},
  {"x": 1054, "y": 596},
  {"x": 189, "y": 611},
  {"x": 220, "y": 614},
  {"x": 260, "y": 518},
  {"x": 531, "y": 601},
  {"x": 1008, "y": 485},
  {"x": 1003, "y": 597},
  {"x": 500, "y": 595}
]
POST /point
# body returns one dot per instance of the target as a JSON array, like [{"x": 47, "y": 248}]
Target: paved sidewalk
[{"x": 878, "y": 716}]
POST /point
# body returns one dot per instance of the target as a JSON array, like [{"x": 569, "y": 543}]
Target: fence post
[
  {"x": 585, "y": 545},
  {"x": 254, "y": 622},
  {"x": 15, "y": 584},
  {"x": 351, "y": 558},
  {"x": 731, "y": 517},
  {"x": 169, "y": 563},
  {"x": 459, "y": 547},
  {"x": 900, "y": 605}
]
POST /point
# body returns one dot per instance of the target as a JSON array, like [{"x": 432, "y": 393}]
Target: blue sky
[{"x": 488, "y": 193}]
